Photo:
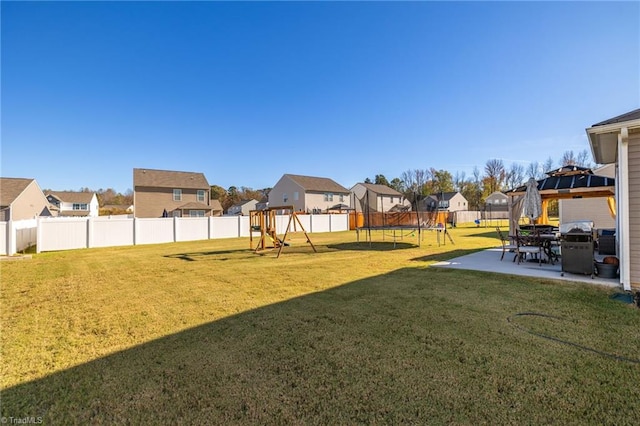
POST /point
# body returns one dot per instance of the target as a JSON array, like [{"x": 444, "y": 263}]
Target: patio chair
[
  {"x": 528, "y": 244},
  {"x": 507, "y": 244}
]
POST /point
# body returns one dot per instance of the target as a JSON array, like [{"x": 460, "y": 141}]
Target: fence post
[
  {"x": 239, "y": 226},
  {"x": 38, "y": 234},
  {"x": 175, "y": 229},
  {"x": 135, "y": 230},
  {"x": 89, "y": 232},
  {"x": 311, "y": 223},
  {"x": 11, "y": 238}
]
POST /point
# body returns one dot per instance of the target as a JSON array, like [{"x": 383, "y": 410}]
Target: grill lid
[{"x": 579, "y": 226}]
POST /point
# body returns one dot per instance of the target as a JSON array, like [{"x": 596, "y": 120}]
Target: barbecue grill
[{"x": 576, "y": 245}]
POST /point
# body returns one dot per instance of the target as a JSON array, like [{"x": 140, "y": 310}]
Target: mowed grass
[{"x": 210, "y": 332}]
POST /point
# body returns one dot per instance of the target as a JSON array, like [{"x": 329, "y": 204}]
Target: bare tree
[
  {"x": 459, "y": 181},
  {"x": 568, "y": 159},
  {"x": 546, "y": 167},
  {"x": 584, "y": 159},
  {"x": 533, "y": 170},
  {"x": 515, "y": 176},
  {"x": 414, "y": 184},
  {"x": 495, "y": 175}
]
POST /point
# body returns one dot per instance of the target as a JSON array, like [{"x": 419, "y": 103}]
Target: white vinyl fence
[
  {"x": 55, "y": 233},
  {"x": 16, "y": 236}
]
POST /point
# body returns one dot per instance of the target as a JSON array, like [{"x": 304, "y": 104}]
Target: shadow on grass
[
  {"x": 447, "y": 255},
  {"x": 484, "y": 233},
  {"x": 404, "y": 341},
  {"x": 223, "y": 255},
  {"x": 374, "y": 246},
  {"x": 208, "y": 255}
]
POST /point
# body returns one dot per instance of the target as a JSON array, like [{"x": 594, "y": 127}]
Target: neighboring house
[
  {"x": 308, "y": 194},
  {"x": 595, "y": 209},
  {"x": 21, "y": 199},
  {"x": 378, "y": 198},
  {"x": 497, "y": 202},
  {"x": 216, "y": 208},
  {"x": 162, "y": 193},
  {"x": 70, "y": 203},
  {"x": 263, "y": 204},
  {"x": 617, "y": 141},
  {"x": 242, "y": 208},
  {"x": 446, "y": 201}
]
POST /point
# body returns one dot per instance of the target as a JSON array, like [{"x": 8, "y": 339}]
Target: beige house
[
  {"x": 378, "y": 198},
  {"x": 164, "y": 193},
  {"x": 21, "y": 199},
  {"x": 617, "y": 141},
  {"x": 595, "y": 209},
  {"x": 446, "y": 201},
  {"x": 242, "y": 208},
  {"x": 497, "y": 202},
  {"x": 70, "y": 203},
  {"x": 308, "y": 194}
]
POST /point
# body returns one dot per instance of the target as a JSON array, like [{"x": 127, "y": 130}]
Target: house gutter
[
  {"x": 622, "y": 201},
  {"x": 602, "y": 139}
]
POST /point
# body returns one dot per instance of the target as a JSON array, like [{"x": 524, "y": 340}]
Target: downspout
[{"x": 623, "y": 209}]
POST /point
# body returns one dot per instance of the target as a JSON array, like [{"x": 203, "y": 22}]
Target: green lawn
[{"x": 210, "y": 332}]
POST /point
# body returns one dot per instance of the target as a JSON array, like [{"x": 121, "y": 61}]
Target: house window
[
  {"x": 201, "y": 195},
  {"x": 328, "y": 196},
  {"x": 295, "y": 196},
  {"x": 341, "y": 198},
  {"x": 177, "y": 195},
  {"x": 391, "y": 199},
  {"x": 196, "y": 213},
  {"x": 285, "y": 198},
  {"x": 80, "y": 206}
]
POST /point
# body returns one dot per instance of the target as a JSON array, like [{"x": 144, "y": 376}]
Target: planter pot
[{"x": 606, "y": 270}]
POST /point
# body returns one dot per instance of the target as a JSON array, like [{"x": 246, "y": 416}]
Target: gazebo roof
[{"x": 571, "y": 182}]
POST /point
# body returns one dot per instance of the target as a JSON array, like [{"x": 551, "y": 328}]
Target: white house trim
[{"x": 623, "y": 209}]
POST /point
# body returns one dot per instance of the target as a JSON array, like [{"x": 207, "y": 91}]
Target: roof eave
[{"x": 603, "y": 140}]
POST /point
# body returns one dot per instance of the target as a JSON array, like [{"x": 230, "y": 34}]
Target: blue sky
[{"x": 247, "y": 91}]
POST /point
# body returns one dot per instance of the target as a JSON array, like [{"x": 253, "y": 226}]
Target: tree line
[{"x": 414, "y": 184}]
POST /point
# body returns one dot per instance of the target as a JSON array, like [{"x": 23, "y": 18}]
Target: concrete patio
[{"x": 489, "y": 261}]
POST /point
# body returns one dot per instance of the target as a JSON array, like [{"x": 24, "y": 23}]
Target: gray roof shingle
[
  {"x": 381, "y": 189},
  {"x": 169, "y": 179},
  {"x": 10, "y": 188},
  {"x": 318, "y": 184},
  {"x": 628, "y": 116},
  {"x": 71, "y": 196}
]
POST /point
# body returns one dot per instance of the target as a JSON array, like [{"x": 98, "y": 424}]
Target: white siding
[{"x": 634, "y": 209}]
